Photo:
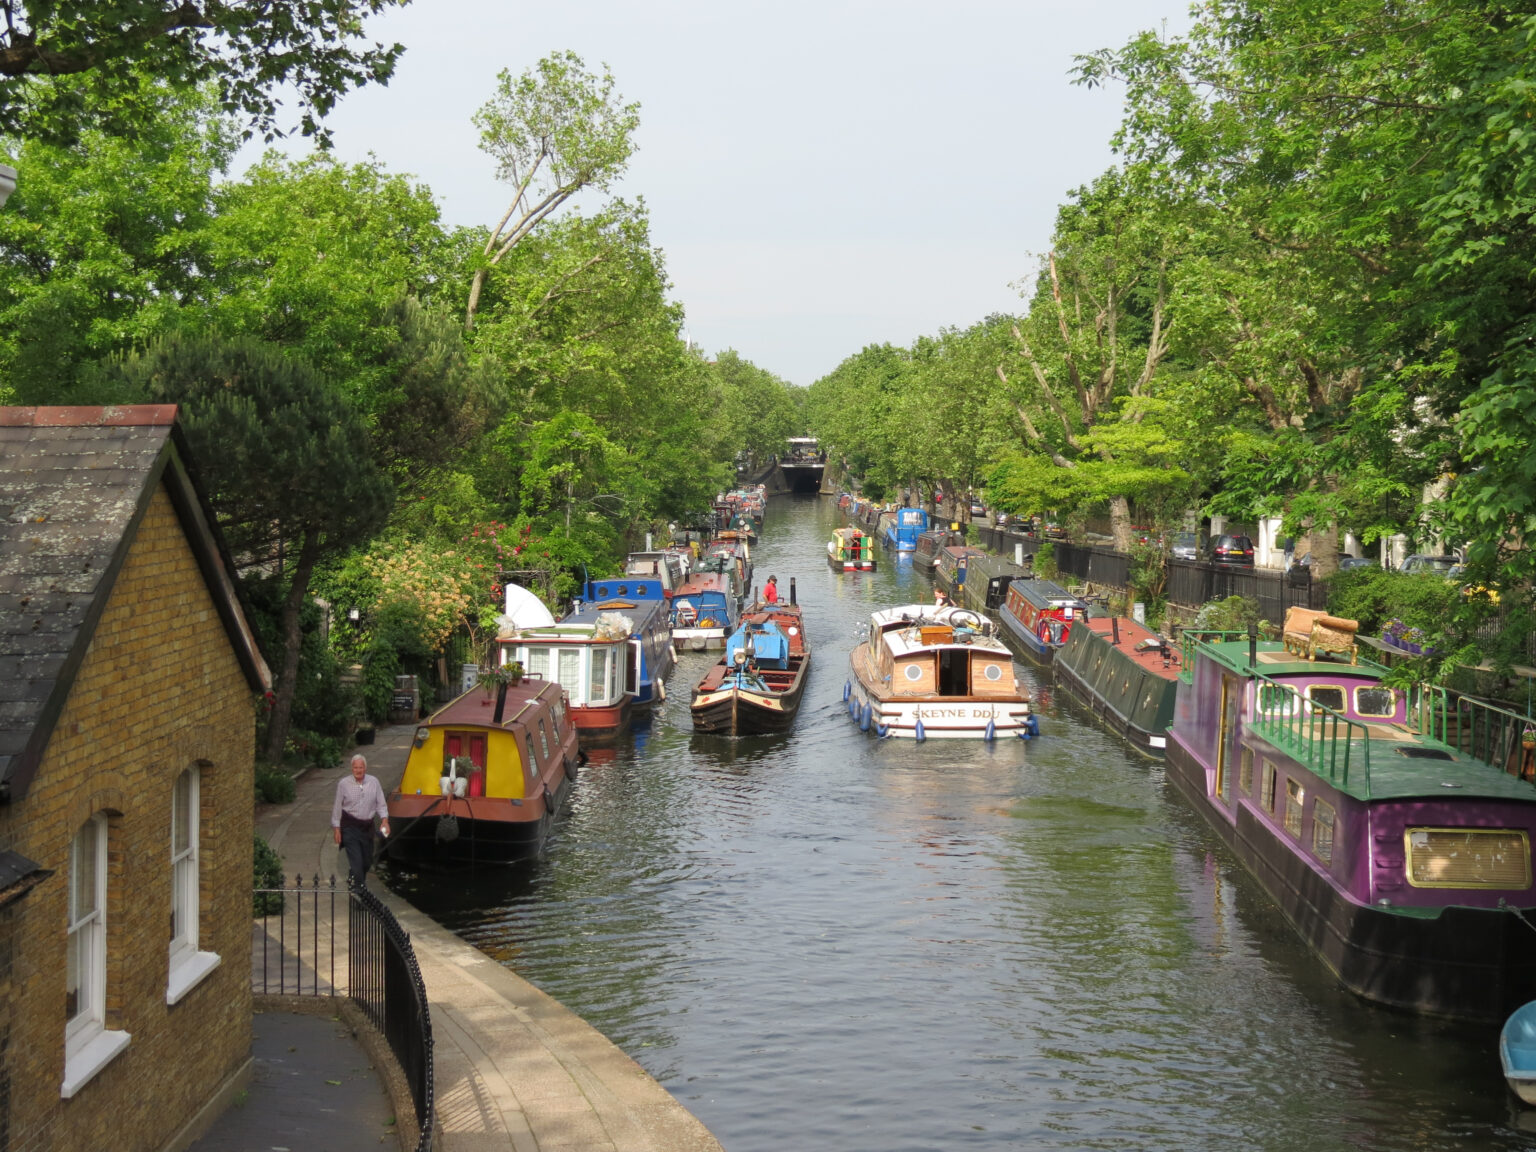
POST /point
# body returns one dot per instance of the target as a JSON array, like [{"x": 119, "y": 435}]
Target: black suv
[{"x": 1230, "y": 549}]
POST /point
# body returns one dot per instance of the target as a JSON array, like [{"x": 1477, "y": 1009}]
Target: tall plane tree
[{"x": 553, "y": 131}]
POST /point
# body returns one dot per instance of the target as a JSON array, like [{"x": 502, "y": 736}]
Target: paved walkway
[{"x": 515, "y": 1070}]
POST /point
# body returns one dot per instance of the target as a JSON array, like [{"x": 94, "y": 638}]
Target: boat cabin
[
  {"x": 931, "y": 659},
  {"x": 671, "y": 568}
]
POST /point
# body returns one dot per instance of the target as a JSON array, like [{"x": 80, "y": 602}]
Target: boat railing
[
  {"x": 1472, "y": 727},
  {"x": 1319, "y": 737},
  {"x": 1192, "y": 638}
]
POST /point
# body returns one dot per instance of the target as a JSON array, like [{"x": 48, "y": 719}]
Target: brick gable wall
[{"x": 160, "y": 690}]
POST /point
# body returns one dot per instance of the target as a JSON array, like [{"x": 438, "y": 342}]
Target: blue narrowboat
[{"x": 903, "y": 526}]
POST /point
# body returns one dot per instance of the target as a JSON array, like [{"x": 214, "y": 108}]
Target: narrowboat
[
  {"x": 755, "y": 687},
  {"x": 925, "y": 552},
  {"x": 1126, "y": 674},
  {"x": 611, "y": 652},
  {"x": 729, "y": 553},
  {"x": 901, "y": 528},
  {"x": 928, "y": 672},
  {"x": 851, "y": 550},
  {"x": 1039, "y": 615},
  {"x": 1391, "y": 825},
  {"x": 705, "y": 610},
  {"x": 953, "y": 564},
  {"x": 486, "y": 776}
]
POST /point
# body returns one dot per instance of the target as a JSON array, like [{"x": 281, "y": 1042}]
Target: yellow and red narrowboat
[{"x": 487, "y": 774}]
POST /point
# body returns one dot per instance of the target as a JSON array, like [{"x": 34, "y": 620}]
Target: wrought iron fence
[
  {"x": 302, "y": 946},
  {"x": 1196, "y": 582}
]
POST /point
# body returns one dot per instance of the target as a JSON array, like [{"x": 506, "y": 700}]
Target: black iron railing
[
  {"x": 303, "y": 946},
  {"x": 385, "y": 982}
]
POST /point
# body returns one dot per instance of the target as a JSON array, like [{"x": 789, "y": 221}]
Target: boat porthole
[
  {"x": 602, "y": 592},
  {"x": 914, "y": 672},
  {"x": 993, "y": 672},
  {"x": 623, "y": 589}
]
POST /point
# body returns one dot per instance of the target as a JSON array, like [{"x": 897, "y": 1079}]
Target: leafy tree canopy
[{"x": 72, "y": 65}]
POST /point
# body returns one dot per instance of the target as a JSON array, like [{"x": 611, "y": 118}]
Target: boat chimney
[
  {"x": 1253, "y": 645},
  {"x": 1114, "y": 626},
  {"x": 648, "y": 539},
  {"x": 792, "y": 590},
  {"x": 501, "y": 702}
]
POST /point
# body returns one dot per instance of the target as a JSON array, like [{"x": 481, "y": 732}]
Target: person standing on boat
[
  {"x": 359, "y": 798},
  {"x": 771, "y": 591}
]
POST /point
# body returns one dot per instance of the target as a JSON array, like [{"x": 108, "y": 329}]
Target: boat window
[
  {"x": 1322, "y": 831},
  {"x": 538, "y": 662},
  {"x": 1328, "y": 695},
  {"x": 1468, "y": 858},
  {"x": 1268, "y": 785},
  {"x": 570, "y": 669},
  {"x": 1245, "y": 773},
  {"x": 992, "y": 672},
  {"x": 1278, "y": 700},
  {"x": 1295, "y": 797},
  {"x": 1375, "y": 701},
  {"x": 913, "y": 672},
  {"x": 544, "y": 738},
  {"x": 600, "y": 692}
]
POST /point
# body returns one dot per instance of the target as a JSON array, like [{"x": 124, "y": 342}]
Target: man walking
[{"x": 359, "y": 798}]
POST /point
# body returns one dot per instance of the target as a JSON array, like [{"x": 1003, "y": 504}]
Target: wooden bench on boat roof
[{"x": 1308, "y": 631}]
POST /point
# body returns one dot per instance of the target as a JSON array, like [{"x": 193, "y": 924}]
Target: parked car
[
  {"x": 977, "y": 509},
  {"x": 1348, "y": 562},
  {"x": 1438, "y": 565},
  {"x": 1185, "y": 546},
  {"x": 1232, "y": 549}
]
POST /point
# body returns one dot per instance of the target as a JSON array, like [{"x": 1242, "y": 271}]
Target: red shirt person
[{"x": 771, "y": 591}]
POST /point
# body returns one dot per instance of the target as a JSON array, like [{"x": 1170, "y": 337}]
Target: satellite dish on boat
[{"x": 525, "y": 610}]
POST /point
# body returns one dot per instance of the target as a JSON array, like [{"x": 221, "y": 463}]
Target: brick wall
[{"x": 160, "y": 691}]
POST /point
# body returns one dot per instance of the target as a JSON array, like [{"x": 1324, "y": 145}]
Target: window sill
[
  {"x": 188, "y": 972},
  {"x": 83, "y": 1061}
]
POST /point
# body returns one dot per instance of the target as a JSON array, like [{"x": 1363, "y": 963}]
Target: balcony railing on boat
[
  {"x": 1472, "y": 727},
  {"x": 303, "y": 947},
  {"x": 1191, "y": 638},
  {"x": 1319, "y": 737}
]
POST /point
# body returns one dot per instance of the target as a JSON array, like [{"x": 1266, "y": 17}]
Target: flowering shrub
[
  {"x": 1396, "y": 629},
  {"x": 427, "y": 592}
]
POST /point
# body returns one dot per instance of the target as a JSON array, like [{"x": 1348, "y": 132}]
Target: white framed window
[
  {"x": 88, "y": 1044},
  {"x": 188, "y": 965}
]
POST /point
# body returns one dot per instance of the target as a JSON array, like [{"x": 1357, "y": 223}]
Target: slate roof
[{"x": 74, "y": 483}]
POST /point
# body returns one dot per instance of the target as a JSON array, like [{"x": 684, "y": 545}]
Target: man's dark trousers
[{"x": 357, "y": 840}]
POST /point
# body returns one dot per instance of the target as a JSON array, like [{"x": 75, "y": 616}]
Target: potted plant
[
  {"x": 1528, "y": 738},
  {"x": 510, "y": 673}
]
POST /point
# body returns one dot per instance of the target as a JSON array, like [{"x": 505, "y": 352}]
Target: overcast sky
[{"x": 820, "y": 175}]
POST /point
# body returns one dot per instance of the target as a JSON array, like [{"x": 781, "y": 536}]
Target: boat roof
[
  {"x": 891, "y": 625},
  {"x": 1137, "y": 642},
  {"x": 1044, "y": 593},
  {"x": 704, "y": 582},
  {"x": 477, "y": 707},
  {"x": 1387, "y": 760}
]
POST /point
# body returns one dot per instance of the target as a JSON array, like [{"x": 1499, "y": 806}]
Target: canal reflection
[{"x": 825, "y": 940}]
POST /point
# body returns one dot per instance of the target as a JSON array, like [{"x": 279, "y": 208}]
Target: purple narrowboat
[{"x": 1393, "y": 826}]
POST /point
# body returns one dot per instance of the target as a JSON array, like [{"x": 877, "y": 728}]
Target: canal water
[{"x": 828, "y": 941}]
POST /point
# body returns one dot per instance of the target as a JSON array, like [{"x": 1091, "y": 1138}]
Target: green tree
[
  {"x": 286, "y": 463},
  {"x": 552, "y": 131},
  {"x": 104, "y": 50},
  {"x": 102, "y": 245}
]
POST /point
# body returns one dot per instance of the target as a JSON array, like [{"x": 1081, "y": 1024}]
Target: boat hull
[
  {"x": 741, "y": 712},
  {"x": 489, "y": 831},
  {"x": 1027, "y": 642},
  {"x": 850, "y": 565},
  {"x": 941, "y": 718},
  {"x": 1467, "y": 963},
  {"x": 593, "y": 722}
]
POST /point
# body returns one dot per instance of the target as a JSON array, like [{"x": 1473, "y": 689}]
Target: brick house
[{"x": 128, "y": 682}]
